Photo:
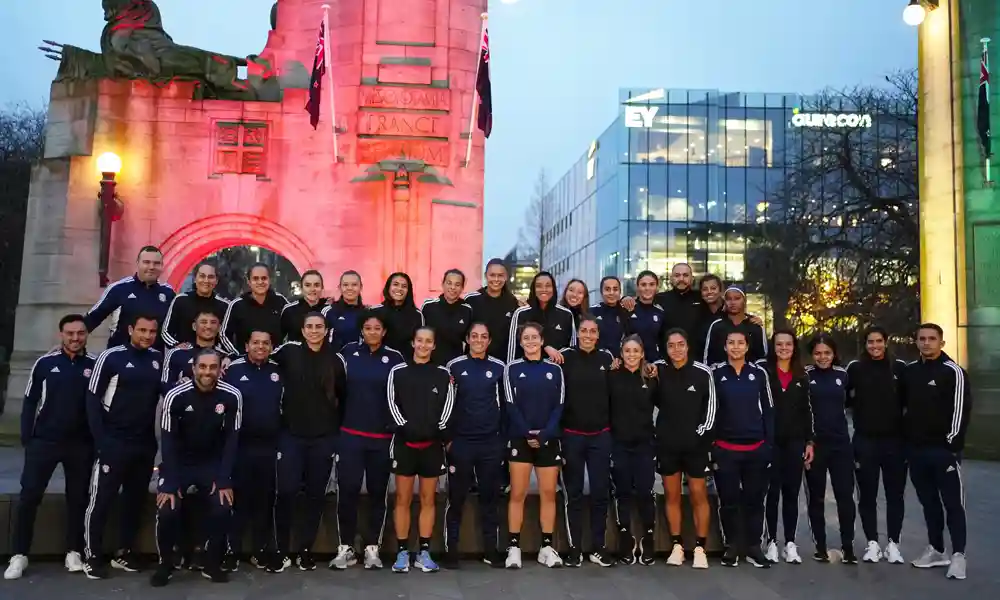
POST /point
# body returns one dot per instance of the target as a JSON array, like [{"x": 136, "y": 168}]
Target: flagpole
[
  {"x": 328, "y": 61},
  {"x": 475, "y": 93},
  {"x": 986, "y": 49}
]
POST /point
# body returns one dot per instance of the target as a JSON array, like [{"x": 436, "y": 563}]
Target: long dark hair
[
  {"x": 864, "y": 340},
  {"x": 532, "y": 298},
  {"x": 827, "y": 340},
  {"x": 408, "y": 300},
  {"x": 772, "y": 355}
]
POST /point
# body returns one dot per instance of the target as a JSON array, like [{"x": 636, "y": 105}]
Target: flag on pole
[
  {"x": 983, "y": 117},
  {"x": 483, "y": 86},
  {"x": 316, "y": 82}
]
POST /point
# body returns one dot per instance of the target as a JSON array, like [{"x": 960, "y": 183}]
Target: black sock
[
  {"x": 699, "y": 542},
  {"x": 546, "y": 539},
  {"x": 425, "y": 543},
  {"x": 404, "y": 546},
  {"x": 514, "y": 539},
  {"x": 676, "y": 540}
]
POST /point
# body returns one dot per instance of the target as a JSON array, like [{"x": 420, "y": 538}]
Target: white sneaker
[
  {"x": 892, "y": 554},
  {"x": 676, "y": 557},
  {"x": 345, "y": 558},
  {"x": 957, "y": 568},
  {"x": 513, "y": 558},
  {"x": 791, "y": 553},
  {"x": 18, "y": 563},
  {"x": 931, "y": 558},
  {"x": 548, "y": 556},
  {"x": 700, "y": 559},
  {"x": 372, "y": 559},
  {"x": 771, "y": 552},
  {"x": 74, "y": 562},
  {"x": 873, "y": 553}
]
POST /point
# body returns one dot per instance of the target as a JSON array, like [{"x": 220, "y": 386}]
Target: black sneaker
[
  {"x": 755, "y": 556},
  {"x": 602, "y": 557},
  {"x": 495, "y": 559},
  {"x": 278, "y": 562},
  {"x": 127, "y": 561},
  {"x": 161, "y": 577},
  {"x": 196, "y": 560},
  {"x": 449, "y": 560},
  {"x": 647, "y": 549},
  {"x": 821, "y": 555},
  {"x": 260, "y": 559},
  {"x": 849, "y": 558},
  {"x": 215, "y": 574},
  {"x": 95, "y": 568},
  {"x": 574, "y": 558},
  {"x": 181, "y": 560},
  {"x": 230, "y": 563},
  {"x": 730, "y": 558},
  {"x": 305, "y": 561},
  {"x": 627, "y": 548}
]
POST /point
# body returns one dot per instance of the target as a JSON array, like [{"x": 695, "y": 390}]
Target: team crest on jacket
[
  {"x": 489, "y": 374},
  {"x": 750, "y": 377},
  {"x": 156, "y": 365},
  {"x": 274, "y": 377},
  {"x": 385, "y": 360},
  {"x": 548, "y": 375},
  {"x": 106, "y": 468},
  {"x": 838, "y": 381},
  {"x": 219, "y": 409},
  {"x": 86, "y": 372},
  {"x": 163, "y": 297},
  {"x": 656, "y": 318}
]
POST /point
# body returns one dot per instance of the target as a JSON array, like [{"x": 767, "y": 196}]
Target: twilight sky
[{"x": 556, "y": 64}]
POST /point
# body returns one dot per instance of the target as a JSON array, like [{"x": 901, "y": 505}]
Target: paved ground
[{"x": 806, "y": 582}]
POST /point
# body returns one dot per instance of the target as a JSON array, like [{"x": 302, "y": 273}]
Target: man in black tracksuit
[
  {"x": 586, "y": 441},
  {"x": 257, "y": 310},
  {"x": 200, "y": 431},
  {"x": 54, "y": 431},
  {"x": 938, "y": 405},
  {"x": 260, "y": 383},
  {"x": 876, "y": 405},
  {"x": 185, "y": 308},
  {"x": 315, "y": 385},
  {"x": 682, "y": 307},
  {"x": 494, "y": 305},
  {"x": 122, "y": 398}
]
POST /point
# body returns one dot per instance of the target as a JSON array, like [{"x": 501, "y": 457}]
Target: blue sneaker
[
  {"x": 425, "y": 563},
  {"x": 402, "y": 564}
]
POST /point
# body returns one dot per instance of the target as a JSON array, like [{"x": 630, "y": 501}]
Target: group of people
[{"x": 257, "y": 400}]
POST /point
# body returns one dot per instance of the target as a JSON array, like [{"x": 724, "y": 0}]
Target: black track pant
[
  {"x": 783, "y": 488},
  {"x": 837, "y": 459},
  {"x": 885, "y": 457}
]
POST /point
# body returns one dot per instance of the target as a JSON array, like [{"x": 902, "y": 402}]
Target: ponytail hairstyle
[{"x": 642, "y": 363}]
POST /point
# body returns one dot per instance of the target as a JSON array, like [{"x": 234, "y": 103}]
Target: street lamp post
[
  {"x": 916, "y": 11},
  {"x": 109, "y": 209}
]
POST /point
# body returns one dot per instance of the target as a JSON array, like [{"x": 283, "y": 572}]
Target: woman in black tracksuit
[
  {"x": 828, "y": 387},
  {"x": 633, "y": 471},
  {"x": 421, "y": 397},
  {"x": 449, "y": 316},
  {"x": 687, "y": 403},
  {"x": 793, "y": 446},
  {"x": 399, "y": 313},
  {"x": 556, "y": 320}
]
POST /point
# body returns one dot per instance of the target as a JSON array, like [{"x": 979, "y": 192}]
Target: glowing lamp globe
[
  {"x": 914, "y": 13},
  {"x": 109, "y": 162}
]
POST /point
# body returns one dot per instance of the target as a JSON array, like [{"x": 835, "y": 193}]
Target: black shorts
[
  {"x": 418, "y": 462},
  {"x": 549, "y": 455},
  {"x": 693, "y": 463}
]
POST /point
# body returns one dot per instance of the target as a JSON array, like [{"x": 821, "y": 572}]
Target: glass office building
[{"x": 679, "y": 176}]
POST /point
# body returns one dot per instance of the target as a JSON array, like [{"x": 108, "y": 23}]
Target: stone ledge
[{"x": 50, "y": 524}]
